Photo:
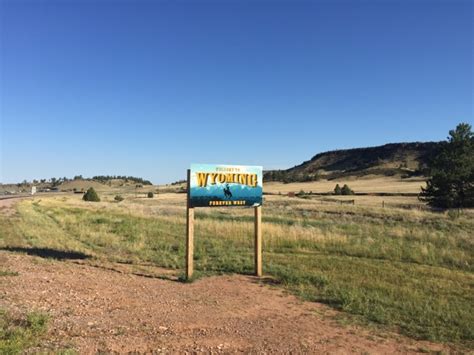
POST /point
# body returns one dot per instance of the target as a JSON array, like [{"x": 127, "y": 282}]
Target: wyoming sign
[{"x": 225, "y": 185}]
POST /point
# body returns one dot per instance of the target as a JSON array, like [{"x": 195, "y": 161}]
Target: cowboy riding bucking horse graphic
[{"x": 227, "y": 193}]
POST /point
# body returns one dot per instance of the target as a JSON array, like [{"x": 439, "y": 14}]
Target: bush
[
  {"x": 91, "y": 195},
  {"x": 150, "y": 194},
  {"x": 337, "y": 190},
  {"x": 346, "y": 190},
  {"x": 118, "y": 198}
]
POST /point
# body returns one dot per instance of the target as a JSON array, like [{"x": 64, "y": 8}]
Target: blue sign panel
[{"x": 225, "y": 185}]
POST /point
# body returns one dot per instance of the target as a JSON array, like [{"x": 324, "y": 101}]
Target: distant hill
[
  {"x": 404, "y": 159},
  {"x": 78, "y": 183},
  {"x": 81, "y": 185},
  {"x": 103, "y": 183}
]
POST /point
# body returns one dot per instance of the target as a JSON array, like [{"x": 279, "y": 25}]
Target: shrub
[
  {"x": 91, "y": 195},
  {"x": 337, "y": 190},
  {"x": 118, "y": 198},
  {"x": 150, "y": 194},
  {"x": 346, "y": 190}
]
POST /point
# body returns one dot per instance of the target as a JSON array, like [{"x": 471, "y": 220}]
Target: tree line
[{"x": 101, "y": 178}]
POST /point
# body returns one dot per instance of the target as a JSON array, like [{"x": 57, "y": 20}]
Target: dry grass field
[
  {"x": 368, "y": 184},
  {"x": 406, "y": 270}
]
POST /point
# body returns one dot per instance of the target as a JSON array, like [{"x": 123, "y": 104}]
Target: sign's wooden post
[
  {"x": 258, "y": 240},
  {"x": 189, "y": 232}
]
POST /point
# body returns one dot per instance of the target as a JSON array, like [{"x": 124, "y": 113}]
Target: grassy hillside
[
  {"x": 83, "y": 185},
  {"x": 405, "y": 159}
]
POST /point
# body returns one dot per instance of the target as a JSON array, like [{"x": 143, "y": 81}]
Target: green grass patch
[
  {"x": 423, "y": 302},
  {"x": 17, "y": 334}
]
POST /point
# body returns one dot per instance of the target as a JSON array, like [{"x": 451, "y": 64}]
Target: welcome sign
[{"x": 225, "y": 185}]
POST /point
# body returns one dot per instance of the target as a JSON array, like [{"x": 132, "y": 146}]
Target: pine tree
[
  {"x": 346, "y": 190},
  {"x": 337, "y": 190},
  {"x": 451, "y": 182}
]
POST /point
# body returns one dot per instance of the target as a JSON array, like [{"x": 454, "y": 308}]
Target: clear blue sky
[{"x": 146, "y": 88}]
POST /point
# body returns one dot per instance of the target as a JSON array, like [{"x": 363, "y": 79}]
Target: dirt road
[{"x": 96, "y": 309}]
